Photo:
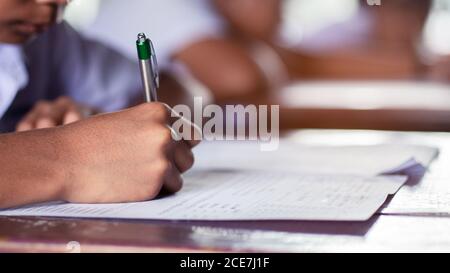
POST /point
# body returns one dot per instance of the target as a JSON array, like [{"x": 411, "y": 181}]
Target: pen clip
[{"x": 154, "y": 65}]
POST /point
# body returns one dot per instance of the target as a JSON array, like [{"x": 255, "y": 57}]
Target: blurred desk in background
[
  {"x": 423, "y": 227},
  {"x": 379, "y": 105}
]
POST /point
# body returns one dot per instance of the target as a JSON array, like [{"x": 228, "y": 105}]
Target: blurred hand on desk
[{"x": 47, "y": 114}]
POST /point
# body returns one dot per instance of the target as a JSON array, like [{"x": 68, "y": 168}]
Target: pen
[{"x": 148, "y": 66}]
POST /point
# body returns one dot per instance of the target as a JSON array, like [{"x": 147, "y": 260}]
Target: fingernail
[
  {"x": 45, "y": 123},
  {"x": 71, "y": 117},
  {"x": 23, "y": 127}
]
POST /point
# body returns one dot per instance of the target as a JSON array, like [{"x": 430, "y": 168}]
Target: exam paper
[
  {"x": 210, "y": 195},
  {"x": 431, "y": 198},
  {"x": 294, "y": 157}
]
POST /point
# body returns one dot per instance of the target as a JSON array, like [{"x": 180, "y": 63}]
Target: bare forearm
[
  {"x": 225, "y": 68},
  {"x": 30, "y": 167},
  {"x": 251, "y": 19}
]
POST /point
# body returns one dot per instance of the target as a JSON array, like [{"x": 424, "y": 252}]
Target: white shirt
[
  {"x": 171, "y": 24},
  {"x": 13, "y": 74},
  {"x": 61, "y": 62},
  {"x": 334, "y": 36}
]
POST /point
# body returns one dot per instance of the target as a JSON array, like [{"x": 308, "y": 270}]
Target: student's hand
[
  {"x": 126, "y": 156},
  {"x": 47, "y": 114}
]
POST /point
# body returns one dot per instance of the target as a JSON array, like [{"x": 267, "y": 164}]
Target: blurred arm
[
  {"x": 256, "y": 19},
  {"x": 225, "y": 68}
]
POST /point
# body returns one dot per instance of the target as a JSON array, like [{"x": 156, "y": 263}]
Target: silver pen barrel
[{"x": 147, "y": 80}]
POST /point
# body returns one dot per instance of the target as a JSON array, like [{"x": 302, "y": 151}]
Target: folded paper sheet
[{"x": 294, "y": 157}]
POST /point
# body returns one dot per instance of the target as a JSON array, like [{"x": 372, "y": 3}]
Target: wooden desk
[
  {"x": 378, "y": 105},
  {"x": 392, "y": 232}
]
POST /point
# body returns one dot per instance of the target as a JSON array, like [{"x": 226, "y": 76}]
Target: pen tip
[{"x": 141, "y": 37}]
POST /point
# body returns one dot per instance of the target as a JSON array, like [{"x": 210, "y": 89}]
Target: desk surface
[
  {"x": 379, "y": 105},
  {"x": 424, "y": 229}
]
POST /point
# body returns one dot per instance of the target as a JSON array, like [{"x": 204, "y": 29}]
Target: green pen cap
[{"x": 143, "y": 47}]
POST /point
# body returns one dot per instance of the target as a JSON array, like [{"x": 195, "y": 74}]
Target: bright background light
[
  {"x": 81, "y": 13},
  {"x": 304, "y": 17},
  {"x": 437, "y": 30}
]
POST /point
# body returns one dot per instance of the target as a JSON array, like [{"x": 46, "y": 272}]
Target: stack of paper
[{"x": 235, "y": 181}]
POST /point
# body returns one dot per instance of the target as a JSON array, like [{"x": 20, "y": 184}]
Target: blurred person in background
[
  {"x": 378, "y": 42},
  {"x": 233, "y": 47},
  {"x": 41, "y": 61},
  {"x": 207, "y": 39}
]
